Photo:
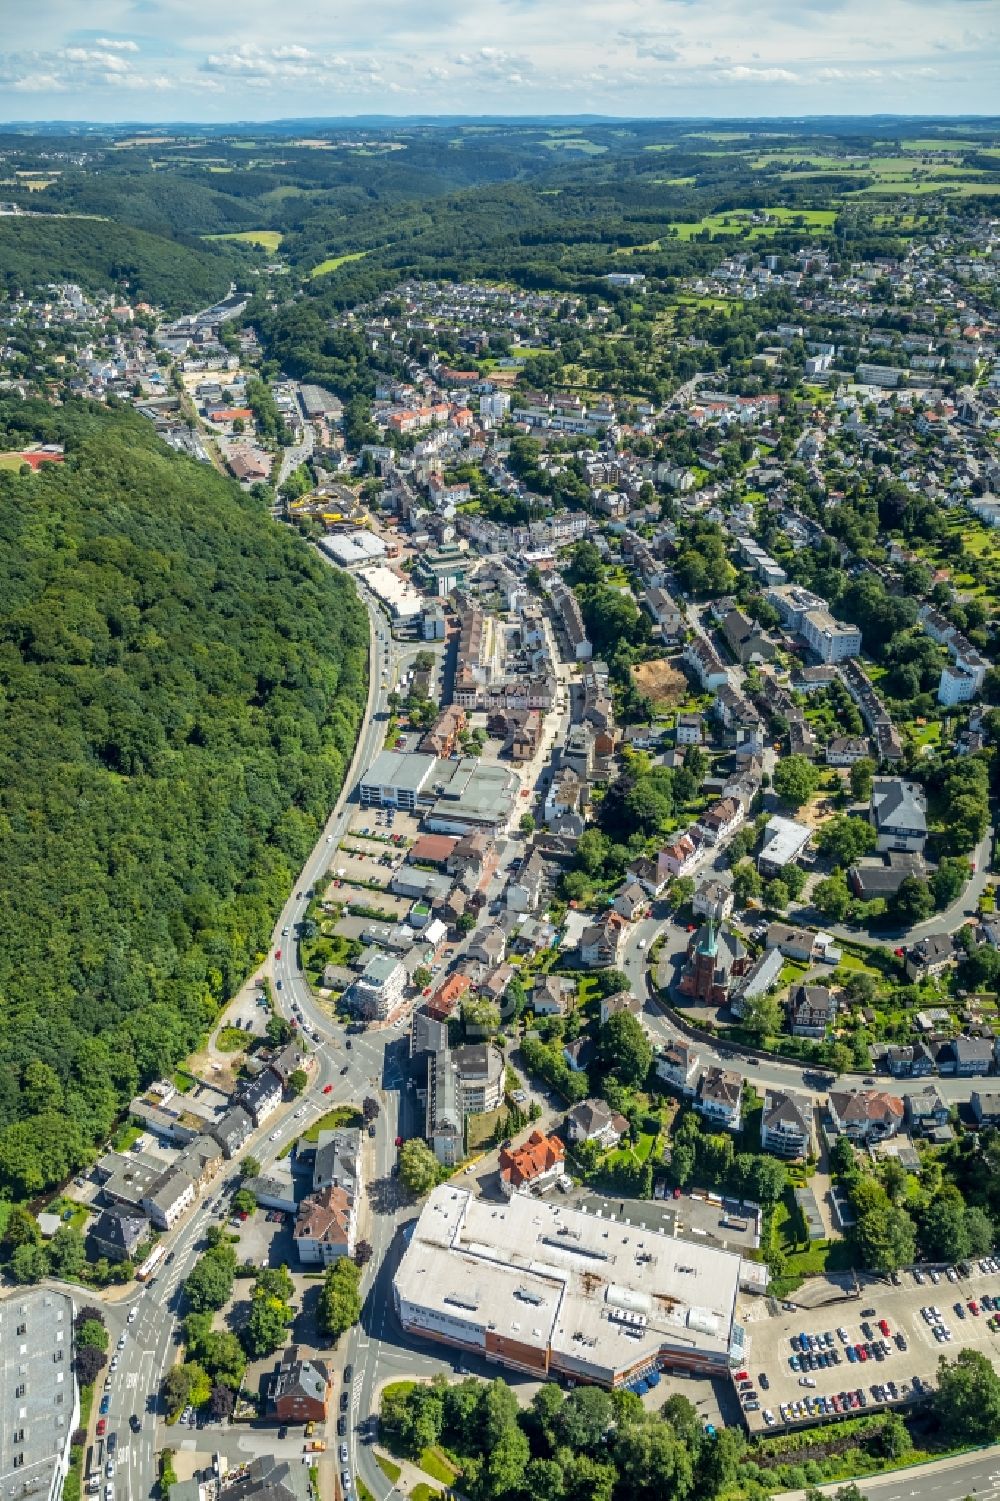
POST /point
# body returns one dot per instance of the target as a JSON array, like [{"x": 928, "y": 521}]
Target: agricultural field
[
  {"x": 333, "y": 261},
  {"x": 265, "y": 239}
]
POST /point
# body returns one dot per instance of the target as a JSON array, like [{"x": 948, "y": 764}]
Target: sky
[{"x": 187, "y": 60}]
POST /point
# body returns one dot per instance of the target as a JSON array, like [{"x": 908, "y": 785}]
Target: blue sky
[{"x": 167, "y": 60}]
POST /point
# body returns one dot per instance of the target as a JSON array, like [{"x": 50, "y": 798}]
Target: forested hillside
[
  {"x": 101, "y": 256},
  {"x": 182, "y": 683}
]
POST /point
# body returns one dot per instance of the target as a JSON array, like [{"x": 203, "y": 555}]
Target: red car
[
  {"x": 974, "y": 1307},
  {"x": 884, "y": 1326},
  {"x": 102, "y": 1427},
  {"x": 741, "y": 1376},
  {"x": 399, "y": 1141},
  {"x": 861, "y": 1352},
  {"x": 327, "y": 1088},
  {"x": 277, "y": 953}
]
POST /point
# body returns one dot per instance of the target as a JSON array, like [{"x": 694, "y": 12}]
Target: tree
[
  {"x": 948, "y": 881},
  {"x": 370, "y": 1108},
  {"x": 776, "y": 895},
  {"x": 92, "y": 1333},
  {"x": 297, "y": 1081},
  {"x": 339, "y": 1299},
  {"x": 980, "y": 1231},
  {"x": 29, "y": 1263},
  {"x": 762, "y": 1015},
  {"x": 625, "y": 1049},
  {"x": 943, "y": 1234},
  {"x": 67, "y": 1254},
  {"x": 422, "y": 977},
  {"x": 363, "y": 1253},
  {"x": 861, "y": 775},
  {"x": 278, "y": 1031},
  {"x": 419, "y": 1169},
  {"x": 544, "y": 1479},
  {"x": 747, "y": 883},
  {"x": 244, "y": 1201},
  {"x": 526, "y": 823},
  {"x": 22, "y": 1227},
  {"x": 832, "y": 896},
  {"x": 584, "y": 1419},
  {"x": 912, "y": 902},
  {"x": 89, "y": 1362},
  {"x": 264, "y": 1330},
  {"x": 222, "y": 1403},
  {"x": 250, "y": 1167},
  {"x": 845, "y": 839},
  {"x": 210, "y": 1281},
  {"x": 967, "y": 1400},
  {"x": 795, "y": 780}
]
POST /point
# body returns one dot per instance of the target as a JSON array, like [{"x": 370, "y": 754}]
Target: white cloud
[{"x": 520, "y": 56}]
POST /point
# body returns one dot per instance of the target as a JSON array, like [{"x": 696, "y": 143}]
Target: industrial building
[
  {"x": 39, "y": 1404},
  {"x": 549, "y": 1290}
]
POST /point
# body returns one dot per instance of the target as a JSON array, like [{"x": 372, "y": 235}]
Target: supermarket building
[{"x": 549, "y": 1290}]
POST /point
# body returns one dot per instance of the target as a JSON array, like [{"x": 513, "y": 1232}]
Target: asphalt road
[{"x": 975, "y": 1474}]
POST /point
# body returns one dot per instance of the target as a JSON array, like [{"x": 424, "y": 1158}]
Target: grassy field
[
  {"x": 231, "y": 1040},
  {"x": 389, "y": 1468},
  {"x": 737, "y": 222},
  {"x": 333, "y": 261},
  {"x": 266, "y": 239},
  {"x": 11, "y": 461}
]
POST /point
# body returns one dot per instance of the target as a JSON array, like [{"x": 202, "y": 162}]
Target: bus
[{"x": 146, "y": 1268}]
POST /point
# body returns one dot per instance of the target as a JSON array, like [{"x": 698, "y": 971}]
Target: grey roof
[
  {"x": 36, "y": 1354},
  {"x": 116, "y": 1233},
  {"x": 407, "y": 773},
  {"x": 338, "y": 1159},
  {"x": 899, "y": 805},
  {"x": 258, "y": 1091},
  {"x": 784, "y": 1107},
  {"x": 267, "y": 1479}
]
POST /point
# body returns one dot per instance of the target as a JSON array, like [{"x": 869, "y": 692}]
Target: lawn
[
  {"x": 126, "y": 1136},
  {"x": 343, "y": 1115},
  {"x": 231, "y": 1040},
  {"x": 265, "y": 239},
  {"x": 389, "y": 1468},
  {"x": 435, "y": 1464},
  {"x": 424, "y": 1492},
  {"x": 182, "y": 1082},
  {"x": 333, "y": 261},
  {"x": 803, "y": 1258}
]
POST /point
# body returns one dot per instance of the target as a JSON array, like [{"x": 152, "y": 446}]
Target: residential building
[
  {"x": 927, "y": 1110},
  {"x": 377, "y": 994},
  {"x": 337, "y": 1160},
  {"x": 167, "y": 1198},
  {"x": 680, "y": 856},
  {"x": 763, "y": 975},
  {"x": 699, "y": 655},
  {"x": 555, "y": 1293},
  {"x": 601, "y": 943},
  {"x": 551, "y": 995},
  {"x": 261, "y": 1097},
  {"x": 533, "y": 1167},
  {"x": 622, "y": 1000},
  {"x": 847, "y": 750},
  {"x": 898, "y": 812},
  {"x": 299, "y": 1391},
  {"x": 720, "y": 1097},
  {"x": 811, "y": 1009},
  {"x": 326, "y": 1226},
  {"x": 116, "y": 1234},
  {"x": 721, "y": 819},
  {"x": 914, "y": 1061},
  {"x": 593, "y": 1120},
  {"x": 864, "y": 1115},
  {"x": 930, "y": 956},
  {"x": 233, "y": 1131},
  {"x": 973, "y": 1056},
  {"x": 986, "y": 1106},
  {"x": 631, "y": 901},
  {"x": 829, "y": 638},
  {"x": 690, "y": 729},
  {"x": 786, "y": 1125},
  {"x": 713, "y": 899},
  {"x": 679, "y": 1066},
  {"x": 39, "y": 1401},
  {"x": 747, "y": 642},
  {"x": 785, "y": 841}
]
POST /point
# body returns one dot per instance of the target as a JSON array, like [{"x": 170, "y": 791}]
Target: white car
[
  {"x": 299, "y": 1114},
  {"x": 133, "y": 1314},
  {"x": 274, "y": 1135},
  {"x": 121, "y": 1340},
  {"x": 109, "y": 1468},
  {"x": 114, "y": 1363}
]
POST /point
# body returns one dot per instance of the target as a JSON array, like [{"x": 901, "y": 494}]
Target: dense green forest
[
  {"x": 100, "y": 256},
  {"x": 182, "y": 682}
]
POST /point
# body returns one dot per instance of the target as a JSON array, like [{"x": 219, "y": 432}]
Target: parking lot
[{"x": 771, "y": 1351}]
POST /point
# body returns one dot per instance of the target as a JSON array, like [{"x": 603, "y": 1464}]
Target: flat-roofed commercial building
[
  {"x": 39, "y": 1407},
  {"x": 547, "y": 1289}
]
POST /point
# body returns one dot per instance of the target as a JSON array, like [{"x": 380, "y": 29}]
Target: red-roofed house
[{"x": 533, "y": 1168}]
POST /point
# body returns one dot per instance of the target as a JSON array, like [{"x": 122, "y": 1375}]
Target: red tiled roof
[{"x": 539, "y": 1155}]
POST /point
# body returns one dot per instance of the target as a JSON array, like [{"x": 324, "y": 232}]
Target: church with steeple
[{"x": 715, "y": 959}]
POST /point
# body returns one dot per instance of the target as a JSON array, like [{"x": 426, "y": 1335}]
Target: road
[
  {"x": 767, "y": 1072},
  {"x": 976, "y": 1474}
]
